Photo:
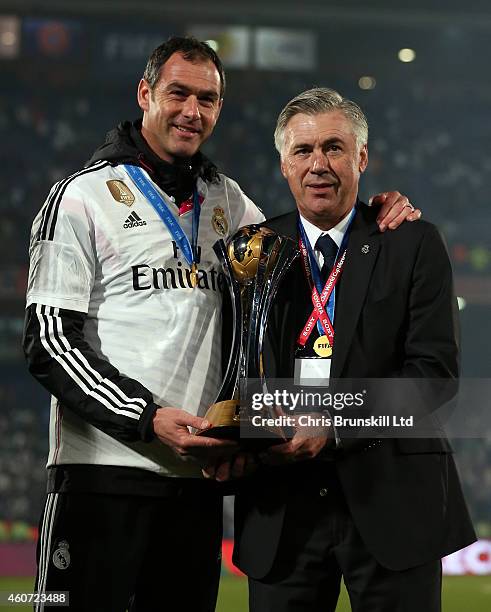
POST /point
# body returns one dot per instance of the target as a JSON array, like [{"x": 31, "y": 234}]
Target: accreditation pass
[{"x": 312, "y": 371}]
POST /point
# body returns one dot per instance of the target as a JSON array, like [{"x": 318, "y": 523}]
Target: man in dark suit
[{"x": 381, "y": 513}]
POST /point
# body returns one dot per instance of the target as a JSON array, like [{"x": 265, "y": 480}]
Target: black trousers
[
  {"x": 319, "y": 545},
  {"x": 119, "y": 552}
]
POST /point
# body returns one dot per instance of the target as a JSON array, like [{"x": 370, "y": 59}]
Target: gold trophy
[{"x": 254, "y": 261}]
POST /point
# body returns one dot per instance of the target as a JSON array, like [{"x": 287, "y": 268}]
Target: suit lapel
[
  {"x": 292, "y": 310},
  {"x": 363, "y": 248}
]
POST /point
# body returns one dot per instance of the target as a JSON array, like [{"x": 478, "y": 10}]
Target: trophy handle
[
  {"x": 260, "y": 298},
  {"x": 228, "y": 389},
  {"x": 279, "y": 254},
  {"x": 287, "y": 253}
]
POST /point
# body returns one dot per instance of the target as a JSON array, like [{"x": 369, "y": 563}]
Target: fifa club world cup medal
[
  {"x": 219, "y": 221},
  {"x": 253, "y": 261},
  {"x": 322, "y": 347}
]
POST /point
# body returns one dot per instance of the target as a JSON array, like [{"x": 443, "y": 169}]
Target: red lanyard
[{"x": 319, "y": 301}]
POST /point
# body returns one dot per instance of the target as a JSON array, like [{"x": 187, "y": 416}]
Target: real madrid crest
[
  {"x": 120, "y": 192},
  {"x": 219, "y": 221},
  {"x": 61, "y": 556}
]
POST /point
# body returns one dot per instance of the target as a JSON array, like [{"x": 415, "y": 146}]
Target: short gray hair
[{"x": 321, "y": 100}]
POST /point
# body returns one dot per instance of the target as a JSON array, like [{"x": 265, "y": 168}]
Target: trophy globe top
[{"x": 244, "y": 252}]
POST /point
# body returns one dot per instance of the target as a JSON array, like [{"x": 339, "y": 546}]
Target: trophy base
[
  {"x": 228, "y": 424},
  {"x": 225, "y": 420},
  {"x": 256, "y": 439}
]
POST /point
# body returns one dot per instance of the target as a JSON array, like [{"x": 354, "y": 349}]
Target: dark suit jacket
[{"x": 395, "y": 317}]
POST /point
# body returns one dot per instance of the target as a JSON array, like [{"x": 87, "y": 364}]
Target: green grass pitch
[
  {"x": 460, "y": 593},
  {"x": 469, "y": 593}
]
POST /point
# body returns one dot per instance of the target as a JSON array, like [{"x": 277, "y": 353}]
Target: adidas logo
[{"x": 133, "y": 221}]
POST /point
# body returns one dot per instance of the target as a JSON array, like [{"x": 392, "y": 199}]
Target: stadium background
[{"x": 70, "y": 71}]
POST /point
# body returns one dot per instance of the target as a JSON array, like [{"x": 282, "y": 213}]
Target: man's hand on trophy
[
  {"x": 171, "y": 426},
  {"x": 307, "y": 442},
  {"x": 394, "y": 209}
]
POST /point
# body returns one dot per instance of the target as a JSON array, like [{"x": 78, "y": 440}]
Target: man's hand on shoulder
[
  {"x": 394, "y": 209},
  {"x": 171, "y": 426}
]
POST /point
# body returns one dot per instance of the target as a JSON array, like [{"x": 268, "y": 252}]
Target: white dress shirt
[{"x": 316, "y": 371}]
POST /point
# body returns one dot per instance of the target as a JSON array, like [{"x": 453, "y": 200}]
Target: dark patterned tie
[{"x": 329, "y": 249}]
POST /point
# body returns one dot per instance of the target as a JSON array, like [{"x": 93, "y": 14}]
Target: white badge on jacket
[{"x": 312, "y": 372}]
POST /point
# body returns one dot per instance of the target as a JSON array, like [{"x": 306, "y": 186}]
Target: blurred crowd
[
  {"x": 419, "y": 144},
  {"x": 23, "y": 452}
]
